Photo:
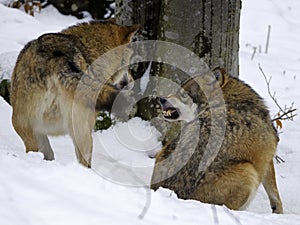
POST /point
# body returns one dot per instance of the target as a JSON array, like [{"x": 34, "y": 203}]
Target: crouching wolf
[
  {"x": 245, "y": 157},
  {"x": 55, "y": 84}
]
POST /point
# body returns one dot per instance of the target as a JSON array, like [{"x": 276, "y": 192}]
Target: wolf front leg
[
  {"x": 83, "y": 150},
  {"x": 81, "y": 132},
  {"x": 270, "y": 186},
  {"x": 44, "y": 146}
]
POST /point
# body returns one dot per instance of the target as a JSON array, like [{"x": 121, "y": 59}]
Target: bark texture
[
  {"x": 143, "y": 12},
  {"x": 209, "y": 28},
  {"x": 146, "y": 14}
]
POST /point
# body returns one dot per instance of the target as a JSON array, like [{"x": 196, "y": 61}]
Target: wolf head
[
  {"x": 107, "y": 68},
  {"x": 195, "y": 96},
  {"x": 91, "y": 59},
  {"x": 118, "y": 60},
  {"x": 115, "y": 70}
]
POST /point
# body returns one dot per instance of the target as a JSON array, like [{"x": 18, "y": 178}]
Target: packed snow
[{"x": 34, "y": 191}]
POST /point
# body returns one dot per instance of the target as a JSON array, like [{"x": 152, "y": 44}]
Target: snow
[{"x": 34, "y": 191}]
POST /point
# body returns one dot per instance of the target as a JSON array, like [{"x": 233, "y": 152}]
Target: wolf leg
[
  {"x": 234, "y": 187},
  {"x": 44, "y": 146},
  {"x": 25, "y": 132},
  {"x": 81, "y": 133},
  {"x": 270, "y": 186},
  {"x": 33, "y": 142},
  {"x": 83, "y": 147}
]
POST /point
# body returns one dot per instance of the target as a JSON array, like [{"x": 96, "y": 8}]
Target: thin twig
[
  {"x": 138, "y": 179},
  {"x": 279, "y": 159},
  {"x": 268, "y": 39},
  {"x": 147, "y": 203},
  {"x": 259, "y": 49},
  {"x": 215, "y": 214},
  {"x": 281, "y": 117},
  {"x": 235, "y": 218},
  {"x": 253, "y": 54},
  {"x": 268, "y": 81}
]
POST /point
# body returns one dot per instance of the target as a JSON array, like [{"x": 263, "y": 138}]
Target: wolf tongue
[{"x": 172, "y": 110}]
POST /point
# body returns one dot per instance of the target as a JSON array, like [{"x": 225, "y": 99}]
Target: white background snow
[{"x": 38, "y": 192}]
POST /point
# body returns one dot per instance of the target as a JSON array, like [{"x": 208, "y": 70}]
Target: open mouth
[
  {"x": 170, "y": 113},
  {"x": 168, "y": 110}
]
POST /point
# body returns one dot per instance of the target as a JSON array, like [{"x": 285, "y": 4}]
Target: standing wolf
[
  {"x": 245, "y": 156},
  {"x": 59, "y": 84}
]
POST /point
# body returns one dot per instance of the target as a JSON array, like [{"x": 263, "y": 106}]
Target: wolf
[
  {"x": 59, "y": 85},
  {"x": 244, "y": 159}
]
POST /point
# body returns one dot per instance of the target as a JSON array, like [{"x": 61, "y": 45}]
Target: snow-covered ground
[{"x": 34, "y": 191}]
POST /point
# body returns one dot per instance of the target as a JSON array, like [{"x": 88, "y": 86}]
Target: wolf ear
[
  {"x": 129, "y": 31},
  {"x": 221, "y": 76}
]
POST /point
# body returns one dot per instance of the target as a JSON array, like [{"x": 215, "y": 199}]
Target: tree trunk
[
  {"x": 146, "y": 14},
  {"x": 209, "y": 28},
  {"x": 143, "y": 12}
]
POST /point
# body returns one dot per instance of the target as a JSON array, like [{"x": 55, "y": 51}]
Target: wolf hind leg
[
  {"x": 234, "y": 187},
  {"x": 26, "y": 133},
  {"x": 33, "y": 141},
  {"x": 270, "y": 186}
]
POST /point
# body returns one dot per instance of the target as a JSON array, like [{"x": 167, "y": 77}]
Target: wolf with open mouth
[{"x": 244, "y": 159}]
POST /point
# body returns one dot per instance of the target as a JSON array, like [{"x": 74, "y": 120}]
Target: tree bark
[
  {"x": 143, "y": 12},
  {"x": 209, "y": 28},
  {"x": 146, "y": 14}
]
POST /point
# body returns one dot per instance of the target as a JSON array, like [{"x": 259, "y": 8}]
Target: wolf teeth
[{"x": 167, "y": 113}]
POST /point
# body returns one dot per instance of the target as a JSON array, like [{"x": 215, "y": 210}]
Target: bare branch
[
  {"x": 235, "y": 218},
  {"x": 268, "y": 81},
  {"x": 285, "y": 116},
  {"x": 279, "y": 159},
  {"x": 268, "y": 39},
  {"x": 147, "y": 203},
  {"x": 253, "y": 54},
  {"x": 116, "y": 164},
  {"x": 215, "y": 214},
  {"x": 287, "y": 110}
]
